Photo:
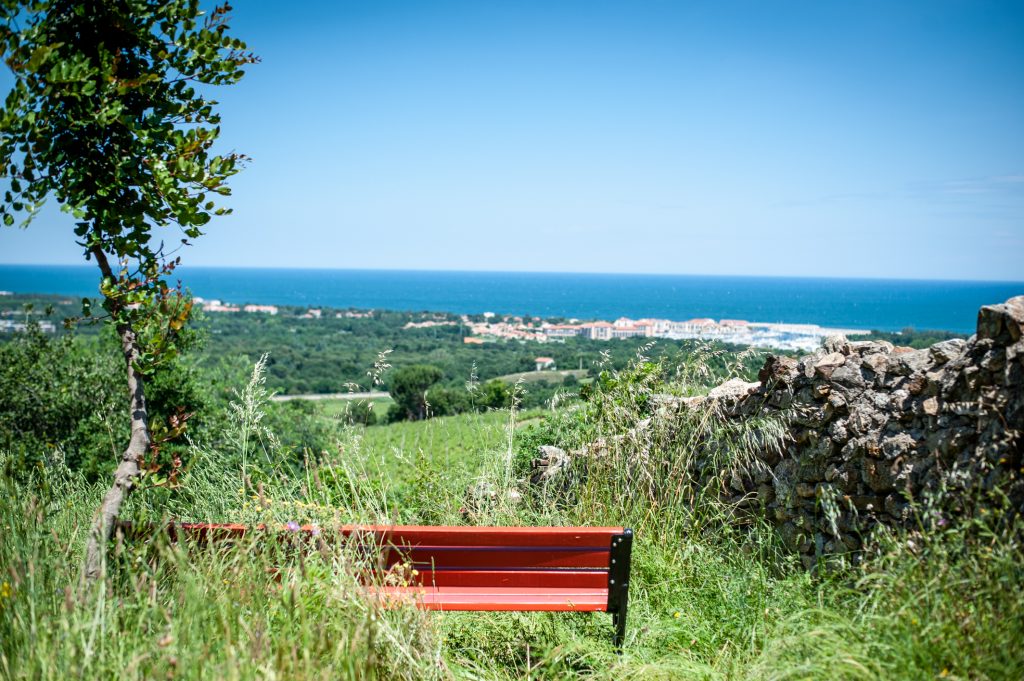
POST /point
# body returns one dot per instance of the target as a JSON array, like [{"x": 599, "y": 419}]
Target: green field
[{"x": 336, "y": 408}]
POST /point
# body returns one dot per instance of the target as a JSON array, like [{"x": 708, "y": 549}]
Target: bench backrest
[
  {"x": 469, "y": 556},
  {"x": 541, "y": 557},
  {"x": 572, "y": 559}
]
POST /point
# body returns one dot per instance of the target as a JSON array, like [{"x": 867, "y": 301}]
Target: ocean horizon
[{"x": 882, "y": 304}]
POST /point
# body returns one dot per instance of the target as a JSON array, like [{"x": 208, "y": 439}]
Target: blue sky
[{"x": 855, "y": 139}]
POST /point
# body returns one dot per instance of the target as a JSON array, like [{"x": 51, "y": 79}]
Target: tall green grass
[
  {"x": 175, "y": 611},
  {"x": 713, "y": 594}
]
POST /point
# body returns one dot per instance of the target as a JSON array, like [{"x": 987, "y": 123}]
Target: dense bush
[
  {"x": 63, "y": 398},
  {"x": 59, "y": 400},
  {"x": 408, "y": 387}
]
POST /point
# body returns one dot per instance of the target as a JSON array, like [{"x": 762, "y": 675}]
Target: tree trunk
[{"x": 129, "y": 470}]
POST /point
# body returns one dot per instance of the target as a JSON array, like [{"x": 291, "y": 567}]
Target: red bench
[{"x": 477, "y": 568}]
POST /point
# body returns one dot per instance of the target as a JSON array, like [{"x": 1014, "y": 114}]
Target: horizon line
[{"x": 565, "y": 272}]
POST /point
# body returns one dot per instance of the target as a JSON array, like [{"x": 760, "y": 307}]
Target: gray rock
[
  {"x": 994, "y": 360},
  {"x": 836, "y": 343},
  {"x": 780, "y": 399},
  {"x": 1003, "y": 323},
  {"x": 734, "y": 388},
  {"x": 826, "y": 365},
  {"x": 947, "y": 351},
  {"x": 897, "y": 445},
  {"x": 552, "y": 465},
  {"x": 849, "y": 375},
  {"x": 917, "y": 361},
  {"x": 867, "y": 348},
  {"x": 877, "y": 363},
  {"x": 778, "y": 370},
  {"x": 837, "y": 431}
]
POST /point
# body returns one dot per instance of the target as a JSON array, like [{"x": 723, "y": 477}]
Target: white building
[{"x": 268, "y": 309}]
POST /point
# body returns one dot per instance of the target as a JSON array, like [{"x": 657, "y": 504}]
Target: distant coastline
[
  {"x": 799, "y": 337},
  {"x": 887, "y": 305}
]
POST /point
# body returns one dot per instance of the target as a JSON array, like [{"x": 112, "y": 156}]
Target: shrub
[
  {"x": 62, "y": 397},
  {"x": 408, "y": 387}
]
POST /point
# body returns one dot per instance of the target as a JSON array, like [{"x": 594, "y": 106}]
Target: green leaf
[{"x": 39, "y": 55}]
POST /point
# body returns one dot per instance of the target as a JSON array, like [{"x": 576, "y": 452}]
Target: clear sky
[{"x": 874, "y": 139}]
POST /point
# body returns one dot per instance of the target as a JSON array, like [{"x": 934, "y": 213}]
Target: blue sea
[{"x": 889, "y": 305}]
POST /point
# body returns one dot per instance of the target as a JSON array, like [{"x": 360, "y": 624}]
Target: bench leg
[
  {"x": 619, "y": 620},
  {"x": 618, "y": 584}
]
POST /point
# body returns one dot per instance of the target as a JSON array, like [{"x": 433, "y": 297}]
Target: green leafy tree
[
  {"x": 496, "y": 395},
  {"x": 448, "y": 401},
  {"x": 108, "y": 117},
  {"x": 408, "y": 387}
]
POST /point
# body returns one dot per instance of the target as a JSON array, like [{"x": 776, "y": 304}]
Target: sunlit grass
[{"x": 708, "y": 599}]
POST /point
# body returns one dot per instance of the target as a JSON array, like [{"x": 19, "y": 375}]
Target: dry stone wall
[
  {"x": 870, "y": 429},
  {"x": 873, "y": 426}
]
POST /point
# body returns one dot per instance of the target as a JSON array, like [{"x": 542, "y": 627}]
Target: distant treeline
[
  {"x": 327, "y": 354},
  {"x": 337, "y": 353},
  {"x": 61, "y": 392}
]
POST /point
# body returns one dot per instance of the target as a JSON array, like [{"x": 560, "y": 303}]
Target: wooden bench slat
[
  {"x": 494, "y": 536},
  {"x": 553, "y": 579},
  {"x": 454, "y": 598},
  {"x": 511, "y": 557},
  {"x": 410, "y": 535}
]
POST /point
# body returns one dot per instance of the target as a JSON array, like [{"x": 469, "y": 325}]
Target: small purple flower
[
  {"x": 315, "y": 531},
  {"x": 292, "y": 526},
  {"x": 941, "y": 522}
]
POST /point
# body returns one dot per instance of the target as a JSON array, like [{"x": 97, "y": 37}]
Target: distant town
[
  {"x": 799, "y": 337},
  {"x": 492, "y": 327}
]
